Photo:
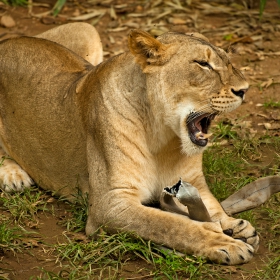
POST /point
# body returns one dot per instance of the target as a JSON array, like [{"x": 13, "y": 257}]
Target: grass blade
[
  {"x": 262, "y": 6},
  {"x": 58, "y": 6}
]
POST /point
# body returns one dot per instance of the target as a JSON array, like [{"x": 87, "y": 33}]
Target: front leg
[
  {"x": 116, "y": 203},
  {"x": 121, "y": 210}
]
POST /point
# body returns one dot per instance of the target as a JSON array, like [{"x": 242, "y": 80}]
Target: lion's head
[{"x": 193, "y": 80}]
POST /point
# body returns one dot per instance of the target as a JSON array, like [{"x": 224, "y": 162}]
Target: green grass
[
  {"x": 272, "y": 104},
  {"x": 270, "y": 271},
  {"x": 224, "y": 130},
  {"x": 9, "y": 237},
  {"x": 15, "y": 2},
  {"x": 248, "y": 215},
  {"x": 110, "y": 253},
  {"x": 58, "y": 7},
  {"x": 59, "y": 4},
  {"x": 224, "y": 170},
  {"x": 79, "y": 211},
  {"x": 24, "y": 206}
]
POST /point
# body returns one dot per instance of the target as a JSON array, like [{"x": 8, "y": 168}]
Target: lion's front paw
[
  {"x": 222, "y": 248},
  {"x": 13, "y": 177},
  {"x": 232, "y": 253},
  {"x": 241, "y": 229}
]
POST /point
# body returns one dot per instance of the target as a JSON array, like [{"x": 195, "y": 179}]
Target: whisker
[{"x": 201, "y": 111}]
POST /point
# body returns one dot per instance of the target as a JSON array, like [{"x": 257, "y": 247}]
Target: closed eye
[{"x": 203, "y": 63}]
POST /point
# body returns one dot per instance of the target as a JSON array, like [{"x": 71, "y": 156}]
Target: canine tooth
[
  {"x": 198, "y": 135},
  {"x": 201, "y": 135}
]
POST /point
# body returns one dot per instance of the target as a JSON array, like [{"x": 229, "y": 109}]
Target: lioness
[{"x": 124, "y": 130}]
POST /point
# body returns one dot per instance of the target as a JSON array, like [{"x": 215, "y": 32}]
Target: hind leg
[{"x": 12, "y": 176}]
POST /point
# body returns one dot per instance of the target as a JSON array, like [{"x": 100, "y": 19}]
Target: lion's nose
[{"x": 240, "y": 92}]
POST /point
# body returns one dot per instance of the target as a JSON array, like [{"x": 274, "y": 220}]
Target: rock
[
  {"x": 7, "y": 21},
  {"x": 48, "y": 20}
]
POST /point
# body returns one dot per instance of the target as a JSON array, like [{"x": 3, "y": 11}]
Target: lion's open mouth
[{"x": 198, "y": 127}]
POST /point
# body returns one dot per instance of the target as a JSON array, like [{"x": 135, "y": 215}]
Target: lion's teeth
[
  {"x": 201, "y": 135},
  {"x": 198, "y": 135}
]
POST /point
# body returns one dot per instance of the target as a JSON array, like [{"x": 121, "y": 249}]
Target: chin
[{"x": 189, "y": 148}]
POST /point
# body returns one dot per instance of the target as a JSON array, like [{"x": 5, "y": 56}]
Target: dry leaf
[
  {"x": 252, "y": 132},
  {"x": 33, "y": 224},
  {"x": 131, "y": 24},
  {"x": 275, "y": 227},
  {"x": 264, "y": 116},
  {"x": 118, "y": 29},
  {"x": 111, "y": 39},
  {"x": 266, "y": 125},
  {"x": 118, "y": 52},
  {"x": 270, "y": 126},
  {"x": 51, "y": 200},
  {"x": 177, "y": 6},
  {"x": 267, "y": 83},
  {"x": 245, "y": 124},
  {"x": 275, "y": 116},
  {"x": 3, "y": 275},
  {"x": 156, "y": 31},
  {"x": 113, "y": 14},
  {"x": 29, "y": 242},
  {"x": 156, "y": 3},
  {"x": 121, "y": 6},
  {"x": 89, "y": 15},
  {"x": 271, "y": 53},
  {"x": 95, "y": 21},
  {"x": 162, "y": 15}
]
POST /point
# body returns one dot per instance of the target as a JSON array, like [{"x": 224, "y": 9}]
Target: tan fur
[
  {"x": 118, "y": 131},
  {"x": 80, "y": 37}
]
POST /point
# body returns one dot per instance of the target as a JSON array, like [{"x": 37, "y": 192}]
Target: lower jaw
[{"x": 200, "y": 143}]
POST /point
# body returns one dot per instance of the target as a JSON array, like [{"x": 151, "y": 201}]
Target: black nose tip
[{"x": 240, "y": 92}]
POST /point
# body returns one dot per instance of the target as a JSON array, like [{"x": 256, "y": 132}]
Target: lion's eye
[{"x": 203, "y": 64}]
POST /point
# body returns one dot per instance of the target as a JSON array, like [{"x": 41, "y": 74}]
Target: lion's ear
[{"x": 147, "y": 50}]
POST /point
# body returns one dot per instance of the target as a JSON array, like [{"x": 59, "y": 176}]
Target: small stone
[
  {"x": 48, "y": 20},
  {"x": 267, "y": 125},
  {"x": 7, "y": 21}
]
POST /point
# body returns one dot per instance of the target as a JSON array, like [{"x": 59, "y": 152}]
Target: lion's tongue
[{"x": 199, "y": 134}]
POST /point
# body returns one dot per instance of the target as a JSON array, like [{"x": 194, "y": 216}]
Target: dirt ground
[{"x": 257, "y": 53}]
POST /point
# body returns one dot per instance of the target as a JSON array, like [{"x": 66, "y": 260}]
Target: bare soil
[{"x": 257, "y": 44}]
